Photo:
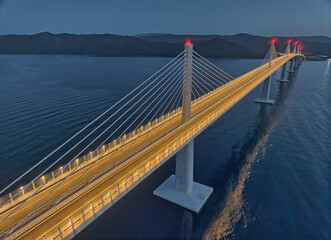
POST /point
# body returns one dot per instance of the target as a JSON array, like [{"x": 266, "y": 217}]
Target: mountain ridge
[{"x": 241, "y": 45}]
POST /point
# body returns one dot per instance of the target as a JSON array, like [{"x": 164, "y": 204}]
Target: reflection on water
[
  {"x": 327, "y": 69},
  {"x": 234, "y": 202},
  {"x": 234, "y": 208}
]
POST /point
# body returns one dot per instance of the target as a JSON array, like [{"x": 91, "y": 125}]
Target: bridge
[{"x": 131, "y": 139}]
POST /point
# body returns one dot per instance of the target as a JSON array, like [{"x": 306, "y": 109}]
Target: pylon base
[
  {"x": 193, "y": 201},
  {"x": 265, "y": 101},
  {"x": 283, "y": 80}
]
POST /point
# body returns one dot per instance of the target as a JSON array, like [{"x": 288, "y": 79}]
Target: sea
[{"x": 269, "y": 165}]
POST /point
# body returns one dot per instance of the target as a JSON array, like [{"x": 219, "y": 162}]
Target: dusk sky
[{"x": 260, "y": 17}]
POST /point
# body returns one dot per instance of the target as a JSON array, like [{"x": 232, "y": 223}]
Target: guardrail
[
  {"x": 121, "y": 186},
  {"x": 53, "y": 177}
]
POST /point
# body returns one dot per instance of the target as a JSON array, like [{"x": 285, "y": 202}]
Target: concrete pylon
[
  {"x": 295, "y": 49},
  {"x": 187, "y": 83},
  {"x": 297, "y": 58},
  {"x": 292, "y": 63},
  {"x": 284, "y": 68},
  {"x": 272, "y": 53},
  {"x": 288, "y": 48},
  {"x": 267, "y": 82},
  {"x": 180, "y": 188},
  {"x": 283, "y": 74}
]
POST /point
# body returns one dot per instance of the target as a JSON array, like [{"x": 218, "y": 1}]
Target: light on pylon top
[
  {"x": 290, "y": 40},
  {"x": 188, "y": 42},
  {"x": 273, "y": 40},
  {"x": 295, "y": 43}
]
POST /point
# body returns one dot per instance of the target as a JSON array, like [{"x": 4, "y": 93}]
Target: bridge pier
[
  {"x": 283, "y": 74},
  {"x": 298, "y": 61},
  {"x": 291, "y": 69},
  {"x": 265, "y": 93},
  {"x": 296, "y": 65},
  {"x": 180, "y": 188}
]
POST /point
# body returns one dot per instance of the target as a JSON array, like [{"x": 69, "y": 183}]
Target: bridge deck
[{"x": 144, "y": 154}]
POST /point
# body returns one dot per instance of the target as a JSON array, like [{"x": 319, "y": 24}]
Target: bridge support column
[
  {"x": 265, "y": 93},
  {"x": 180, "y": 188},
  {"x": 296, "y": 65},
  {"x": 283, "y": 74},
  {"x": 299, "y": 61},
  {"x": 291, "y": 69}
]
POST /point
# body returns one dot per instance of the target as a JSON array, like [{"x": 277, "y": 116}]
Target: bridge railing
[
  {"x": 121, "y": 186},
  {"x": 20, "y": 194},
  {"x": 126, "y": 181},
  {"x": 53, "y": 177},
  {"x": 114, "y": 192},
  {"x": 62, "y": 172}
]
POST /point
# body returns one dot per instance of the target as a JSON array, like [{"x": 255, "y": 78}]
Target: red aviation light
[
  {"x": 188, "y": 42},
  {"x": 295, "y": 43},
  {"x": 273, "y": 40},
  {"x": 290, "y": 40}
]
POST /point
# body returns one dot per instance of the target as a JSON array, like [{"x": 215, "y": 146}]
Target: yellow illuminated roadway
[{"x": 137, "y": 154}]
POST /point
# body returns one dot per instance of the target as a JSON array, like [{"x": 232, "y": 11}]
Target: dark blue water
[{"x": 270, "y": 166}]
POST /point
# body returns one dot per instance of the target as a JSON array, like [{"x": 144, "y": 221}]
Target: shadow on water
[{"x": 229, "y": 202}]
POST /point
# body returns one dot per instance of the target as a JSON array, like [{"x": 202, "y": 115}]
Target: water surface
[{"x": 270, "y": 166}]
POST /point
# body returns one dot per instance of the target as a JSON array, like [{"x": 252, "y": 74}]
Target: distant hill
[
  {"x": 317, "y": 45},
  {"x": 156, "y": 44},
  {"x": 313, "y": 45},
  {"x": 114, "y": 45},
  {"x": 165, "y": 37},
  {"x": 91, "y": 44}
]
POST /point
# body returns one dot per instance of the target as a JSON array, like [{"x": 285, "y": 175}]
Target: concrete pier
[
  {"x": 283, "y": 74},
  {"x": 180, "y": 188},
  {"x": 265, "y": 93}
]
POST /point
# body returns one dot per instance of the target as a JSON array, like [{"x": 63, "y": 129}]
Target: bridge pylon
[
  {"x": 180, "y": 188},
  {"x": 298, "y": 58},
  {"x": 292, "y": 64},
  {"x": 284, "y": 68},
  {"x": 271, "y": 54}
]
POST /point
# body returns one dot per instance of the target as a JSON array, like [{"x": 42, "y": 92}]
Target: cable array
[
  {"x": 159, "y": 94},
  {"x": 206, "y": 76},
  {"x": 140, "y": 118}
]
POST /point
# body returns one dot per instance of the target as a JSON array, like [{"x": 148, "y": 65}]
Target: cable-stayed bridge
[{"x": 72, "y": 186}]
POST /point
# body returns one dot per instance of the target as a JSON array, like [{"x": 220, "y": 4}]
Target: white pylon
[
  {"x": 180, "y": 188},
  {"x": 284, "y": 68},
  {"x": 267, "y": 82},
  {"x": 187, "y": 82},
  {"x": 288, "y": 48}
]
